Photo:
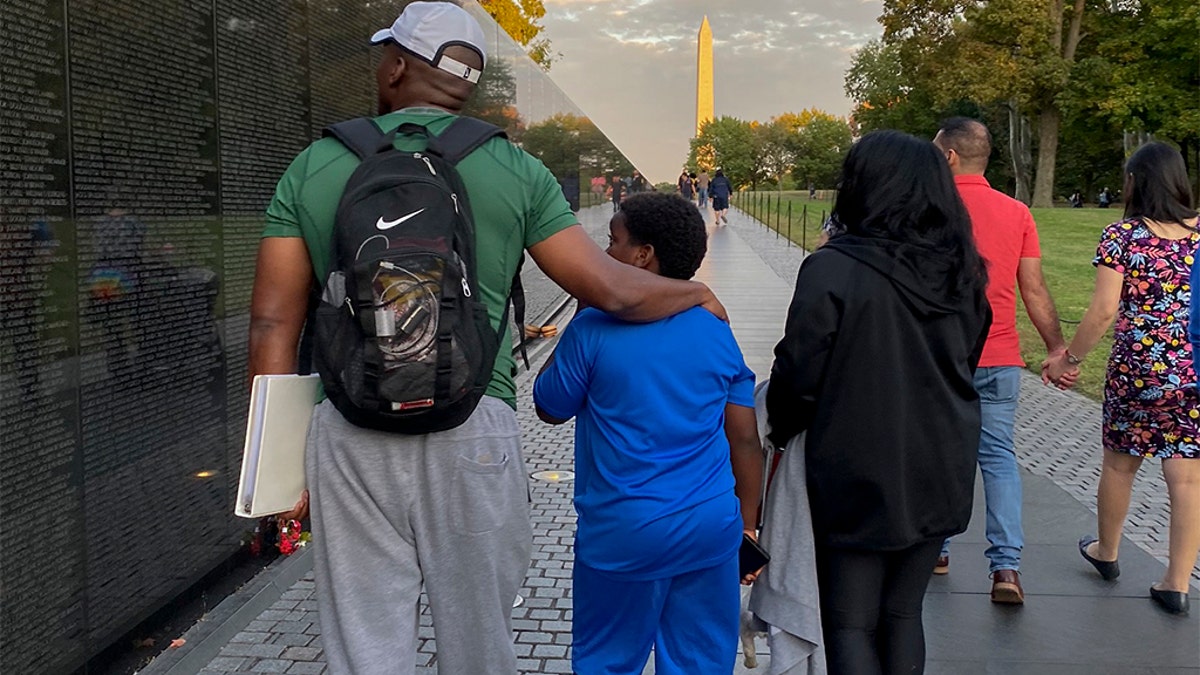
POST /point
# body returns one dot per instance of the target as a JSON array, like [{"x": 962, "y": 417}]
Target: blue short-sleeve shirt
[{"x": 654, "y": 485}]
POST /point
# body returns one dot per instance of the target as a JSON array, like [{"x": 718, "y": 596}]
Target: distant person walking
[
  {"x": 1105, "y": 199},
  {"x": 686, "y": 186},
  {"x": 1145, "y": 278},
  {"x": 1007, "y": 238},
  {"x": 702, "y": 182},
  {"x": 721, "y": 190},
  {"x": 638, "y": 183},
  {"x": 882, "y": 339},
  {"x": 618, "y": 193}
]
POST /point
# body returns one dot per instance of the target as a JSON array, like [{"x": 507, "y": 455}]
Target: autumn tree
[
  {"x": 794, "y": 121},
  {"x": 521, "y": 19}
]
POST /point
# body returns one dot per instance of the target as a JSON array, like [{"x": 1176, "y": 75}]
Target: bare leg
[
  {"x": 1183, "y": 485},
  {"x": 1112, "y": 502}
]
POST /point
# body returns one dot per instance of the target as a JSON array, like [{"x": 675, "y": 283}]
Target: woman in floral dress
[{"x": 1151, "y": 405}]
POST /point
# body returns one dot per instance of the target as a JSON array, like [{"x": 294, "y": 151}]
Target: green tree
[
  {"x": 599, "y": 154},
  {"x": 820, "y": 149},
  {"x": 1143, "y": 74},
  {"x": 556, "y": 141},
  {"x": 571, "y": 145},
  {"x": 889, "y": 93},
  {"x": 775, "y": 149},
  {"x": 1022, "y": 53},
  {"x": 495, "y": 99},
  {"x": 732, "y": 145}
]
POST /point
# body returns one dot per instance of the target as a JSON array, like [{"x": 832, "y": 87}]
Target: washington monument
[{"x": 704, "y": 77}]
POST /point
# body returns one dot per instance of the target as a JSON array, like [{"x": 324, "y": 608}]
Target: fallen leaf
[{"x": 177, "y": 643}]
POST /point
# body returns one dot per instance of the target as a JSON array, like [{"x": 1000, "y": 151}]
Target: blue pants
[
  {"x": 703, "y": 197},
  {"x": 691, "y": 620},
  {"x": 999, "y": 389}
]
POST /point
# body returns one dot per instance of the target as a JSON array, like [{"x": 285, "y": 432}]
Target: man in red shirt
[{"x": 1007, "y": 239}]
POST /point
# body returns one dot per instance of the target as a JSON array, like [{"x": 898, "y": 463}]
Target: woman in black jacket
[{"x": 883, "y": 336}]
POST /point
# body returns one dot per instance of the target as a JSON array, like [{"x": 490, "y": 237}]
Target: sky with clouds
[{"x": 631, "y": 64}]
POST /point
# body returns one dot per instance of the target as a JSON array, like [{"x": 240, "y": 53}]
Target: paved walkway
[{"x": 1072, "y": 623}]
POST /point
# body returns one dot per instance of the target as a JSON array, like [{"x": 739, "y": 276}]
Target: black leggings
[{"x": 871, "y": 608}]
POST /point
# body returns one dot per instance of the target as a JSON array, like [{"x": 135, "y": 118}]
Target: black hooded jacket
[{"x": 877, "y": 365}]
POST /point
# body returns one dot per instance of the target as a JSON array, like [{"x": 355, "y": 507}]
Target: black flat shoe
[
  {"x": 1109, "y": 570},
  {"x": 1173, "y": 602}
]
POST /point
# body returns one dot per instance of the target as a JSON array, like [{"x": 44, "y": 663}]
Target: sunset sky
[{"x": 631, "y": 64}]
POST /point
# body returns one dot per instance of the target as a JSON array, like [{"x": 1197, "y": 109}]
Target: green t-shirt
[{"x": 514, "y": 198}]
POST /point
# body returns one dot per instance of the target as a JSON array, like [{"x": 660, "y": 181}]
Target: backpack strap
[
  {"x": 464, "y": 136},
  {"x": 361, "y": 135},
  {"x": 516, "y": 296},
  {"x": 306, "y": 362}
]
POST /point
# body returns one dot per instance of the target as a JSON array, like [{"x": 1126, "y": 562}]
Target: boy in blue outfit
[{"x": 664, "y": 423}]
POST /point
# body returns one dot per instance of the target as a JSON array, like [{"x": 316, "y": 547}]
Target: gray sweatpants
[{"x": 390, "y": 511}]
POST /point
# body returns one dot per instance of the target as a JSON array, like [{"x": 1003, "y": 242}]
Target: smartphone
[{"x": 752, "y": 557}]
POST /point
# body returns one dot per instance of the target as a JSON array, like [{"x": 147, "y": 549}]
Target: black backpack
[{"x": 401, "y": 338}]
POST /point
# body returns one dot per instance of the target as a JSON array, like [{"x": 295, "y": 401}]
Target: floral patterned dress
[{"x": 1151, "y": 404}]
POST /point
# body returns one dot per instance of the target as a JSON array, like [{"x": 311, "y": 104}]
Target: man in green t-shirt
[{"x": 449, "y": 510}]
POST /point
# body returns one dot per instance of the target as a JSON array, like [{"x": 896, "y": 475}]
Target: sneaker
[
  {"x": 725, "y": 219},
  {"x": 943, "y": 565},
  {"x": 1006, "y": 588}
]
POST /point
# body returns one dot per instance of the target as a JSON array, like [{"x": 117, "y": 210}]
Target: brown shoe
[
  {"x": 943, "y": 565},
  {"x": 1006, "y": 588}
]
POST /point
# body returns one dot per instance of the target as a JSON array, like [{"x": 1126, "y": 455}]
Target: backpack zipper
[
  {"x": 425, "y": 159},
  {"x": 455, "y": 198},
  {"x": 462, "y": 268}
]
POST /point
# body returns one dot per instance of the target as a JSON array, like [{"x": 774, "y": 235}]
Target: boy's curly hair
[{"x": 673, "y": 226}]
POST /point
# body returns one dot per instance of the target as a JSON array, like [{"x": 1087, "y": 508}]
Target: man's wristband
[{"x": 1072, "y": 359}]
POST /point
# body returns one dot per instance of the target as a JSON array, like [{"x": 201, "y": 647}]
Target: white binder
[{"x": 281, "y": 408}]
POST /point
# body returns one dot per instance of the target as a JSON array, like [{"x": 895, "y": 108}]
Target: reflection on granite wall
[{"x": 140, "y": 141}]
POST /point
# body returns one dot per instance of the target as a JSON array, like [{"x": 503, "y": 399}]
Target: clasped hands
[{"x": 1058, "y": 371}]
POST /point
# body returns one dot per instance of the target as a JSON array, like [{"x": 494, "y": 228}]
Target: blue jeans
[
  {"x": 999, "y": 388},
  {"x": 703, "y": 193}
]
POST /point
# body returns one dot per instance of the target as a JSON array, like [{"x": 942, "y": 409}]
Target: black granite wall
[{"x": 140, "y": 142}]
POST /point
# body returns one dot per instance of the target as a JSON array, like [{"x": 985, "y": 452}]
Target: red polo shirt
[{"x": 1005, "y": 233}]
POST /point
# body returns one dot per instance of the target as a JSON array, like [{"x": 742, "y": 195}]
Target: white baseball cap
[{"x": 426, "y": 29}]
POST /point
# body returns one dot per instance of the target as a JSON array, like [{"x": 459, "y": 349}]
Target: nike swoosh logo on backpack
[{"x": 389, "y": 224}]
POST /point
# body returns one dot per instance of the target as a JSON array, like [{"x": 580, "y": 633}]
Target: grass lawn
[{"x": 1068, "y": 238}]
